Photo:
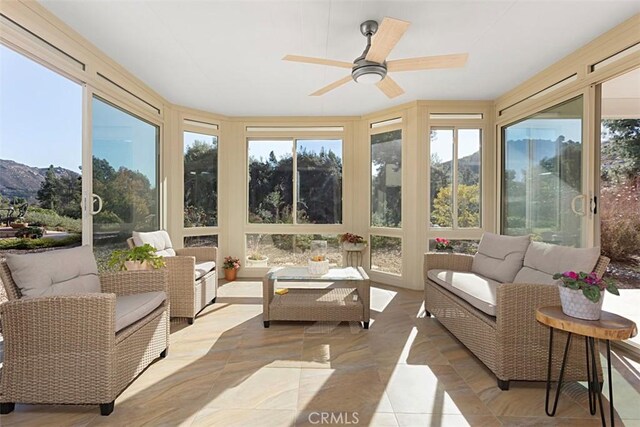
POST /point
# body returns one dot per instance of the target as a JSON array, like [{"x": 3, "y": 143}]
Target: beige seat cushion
[
  {"x": 543, "y": 260},
  {"x": 160, "y": 240},
  {"x": 478, "y": 291},
  {"x": 58, "y": 272},
  {"x": 203, "y": 268},
  {"x": 500, "y": 257},
  {"x": 131, "y": 308}
]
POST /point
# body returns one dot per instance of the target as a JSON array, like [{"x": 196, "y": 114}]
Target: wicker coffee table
[{"x": 340, "y": 295}]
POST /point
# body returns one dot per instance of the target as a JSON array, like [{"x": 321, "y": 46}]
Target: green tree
[
  {"x": 201, "y": 184},
  {"x": 468, "y": 206},
  {"x": 50, "y": 189},
  {"x": 623, "y": 148}
]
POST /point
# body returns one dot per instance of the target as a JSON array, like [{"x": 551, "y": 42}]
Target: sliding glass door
[
  {"x": 542, "y": 176},
  {"x": 125, "y": 177}
]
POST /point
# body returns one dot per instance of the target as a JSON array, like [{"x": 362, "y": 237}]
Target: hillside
[{"x": 18, "y": 180}]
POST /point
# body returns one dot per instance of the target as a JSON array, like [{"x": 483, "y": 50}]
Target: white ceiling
[
  {"x": 621, "y": 96},
  {"x": 225, "y": 56}
]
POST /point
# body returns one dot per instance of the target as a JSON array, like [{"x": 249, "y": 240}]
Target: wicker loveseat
[
  {"x": 510, "y": 342},
  {"x": 81, "y": 348},
  {"x": 193, "y": 277}
]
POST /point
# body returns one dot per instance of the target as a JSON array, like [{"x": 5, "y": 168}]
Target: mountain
[{"x": 18, "y": 180}]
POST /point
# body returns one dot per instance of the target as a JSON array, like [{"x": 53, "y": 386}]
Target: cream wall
[{"x": 99, "y": 74}]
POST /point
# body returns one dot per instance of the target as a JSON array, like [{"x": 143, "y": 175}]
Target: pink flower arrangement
[
  {"x": 443, "y": 244},
  {"x": 590, "y": 284},
  {"x": 231, "y": 263},
  {"x": 351, "y": 238}
]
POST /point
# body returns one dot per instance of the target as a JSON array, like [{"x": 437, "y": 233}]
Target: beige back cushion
[
  {"x": 59, "y": 272},
  {"x": 158, "y": 239},
  {"x": 543, "y": 260},
  {"x": 500, "y": 257}
]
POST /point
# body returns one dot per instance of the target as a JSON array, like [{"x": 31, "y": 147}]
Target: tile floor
[{"x": 227, "y": 370}]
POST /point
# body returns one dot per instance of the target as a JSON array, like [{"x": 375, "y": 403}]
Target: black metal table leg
[
  {"x": 591, "y": 390},
  {"x": 594, "y": 380},
  {"x": 564, "y": 363},
  {"x": 610, "y": 382}
]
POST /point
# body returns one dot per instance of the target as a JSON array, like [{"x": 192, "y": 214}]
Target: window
[
  {"x": 386, "y": 254},
  {"x": 200, "y": 180},
  {"x": 386, "y": 179},
  {"x": 267, "y": 250},
  {"x": 125, "y": 177},
  {"x": 542, "y": 175},
  {"x": 312, "y": 167},
  {"x": 199, "y": 241},
  {"x": 455, "y": 175},
  {"x": 40, "y": 152}
]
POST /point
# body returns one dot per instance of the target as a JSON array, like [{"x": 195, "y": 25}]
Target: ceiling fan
[{"x": 372, "y": 66}]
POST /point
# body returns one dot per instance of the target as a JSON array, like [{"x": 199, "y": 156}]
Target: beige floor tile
[
  {"x": 548, "y": 422},
  {"x": 413, "y": 349},
  {"x": 430, "y": 389},
  {"x": 50, "y": 416},
  {"x": 352, "y": 351},
  {"x": 446, "y": 420},
  {"x": 168, "y": 414},
  {"x": 243, "y": 418},
  {"x": 265, "y": 388},
  {"x": 338, "y": 390}
]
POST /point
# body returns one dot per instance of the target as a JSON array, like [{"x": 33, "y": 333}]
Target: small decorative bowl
[{"x": 318, "y": 268}]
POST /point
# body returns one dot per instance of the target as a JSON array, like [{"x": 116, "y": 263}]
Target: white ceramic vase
[{"x": 575, "y": 304}]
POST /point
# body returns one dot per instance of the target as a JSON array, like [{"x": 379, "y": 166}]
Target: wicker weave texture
[
  {"x": 64, "y": 349},
  {"x": 345, "y": 300},
  {"x": 337, "y": 304},
  {"x": 513, "y": 345}
]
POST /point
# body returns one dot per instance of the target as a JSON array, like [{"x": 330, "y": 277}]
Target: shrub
[
  {"x": 30, "y": 232},
  {"x": 52, "y": 220},
  {"x": 72, "y": 240},
  {"x": 620, "y": 221}
]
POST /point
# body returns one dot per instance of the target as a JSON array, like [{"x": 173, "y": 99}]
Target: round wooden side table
[{"x": 609, "y": 327}]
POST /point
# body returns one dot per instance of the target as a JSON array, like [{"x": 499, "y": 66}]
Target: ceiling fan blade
[
  {"x": 332, "y": 86},
  {"x": 319, "y": 61},
  {"x": 428, "y": 62},
  {"x": 385, "y": 39},
  {"x": 389, "y": 87}
]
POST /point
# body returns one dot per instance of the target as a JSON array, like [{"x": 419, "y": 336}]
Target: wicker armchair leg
[
  {"x": 503, "y": 384},
  {"x": 427, "y": 314},
  {"x": 190, "y": 320},
  {"x": 107, "y": 408},
  {"x": 365, "y": 325},
  {"x": 266, "y": 323},
  {"x": 213, "y": 301},
  {"x": 7, "y": 407},
  {"x": 164, "y": 353}
]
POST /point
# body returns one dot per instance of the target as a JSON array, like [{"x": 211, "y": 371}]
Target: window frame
[
  {"x": 454, "y": 175},
  {"x": 250, "y": 227},
  {"x": 209, "y": 128}
]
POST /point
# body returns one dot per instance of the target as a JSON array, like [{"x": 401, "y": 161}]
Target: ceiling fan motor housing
[{"x": 364, "y": 71}]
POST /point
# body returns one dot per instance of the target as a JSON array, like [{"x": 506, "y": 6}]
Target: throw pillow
[
  {"x": 543, "y": 260},
  {"x": 158, "y": 239},
  {"x": 500, "y": 257},
  {"x": 58, "y": 272}
]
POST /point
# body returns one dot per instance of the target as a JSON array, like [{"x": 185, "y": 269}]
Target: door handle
[
  {"x": 573, "y": 204},
  {"x": 95, "y": 197}
]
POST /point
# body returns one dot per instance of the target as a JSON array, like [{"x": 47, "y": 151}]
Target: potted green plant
[
  {"x": 352, "y": 242},
  {"x": 230, "y": 266},
  {"x": 581, "y": 294},
  {"x": 137, "y": 258}
]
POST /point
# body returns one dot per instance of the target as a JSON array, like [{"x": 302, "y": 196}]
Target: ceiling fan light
[{"x": 369, "y": 74}]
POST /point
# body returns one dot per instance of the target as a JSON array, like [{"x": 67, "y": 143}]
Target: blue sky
[
  {"x": 40, "y": 114},
  {"x": 281, "y": 148}
]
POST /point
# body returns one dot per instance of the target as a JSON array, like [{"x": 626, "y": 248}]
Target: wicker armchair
[
  {"x": 190, "y": 290},
  {"x": 65, "y": 350},
  {"x": 513, "y": 345}
]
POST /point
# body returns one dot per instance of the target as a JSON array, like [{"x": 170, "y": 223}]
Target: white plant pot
[
  {"x": 137, "y": 265},
  {"x": 257, "y": 262},
  {"x": 318, "y": 268},
  {"x": 575, "y": 304},
  {"x": 353, "y": 246}
]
